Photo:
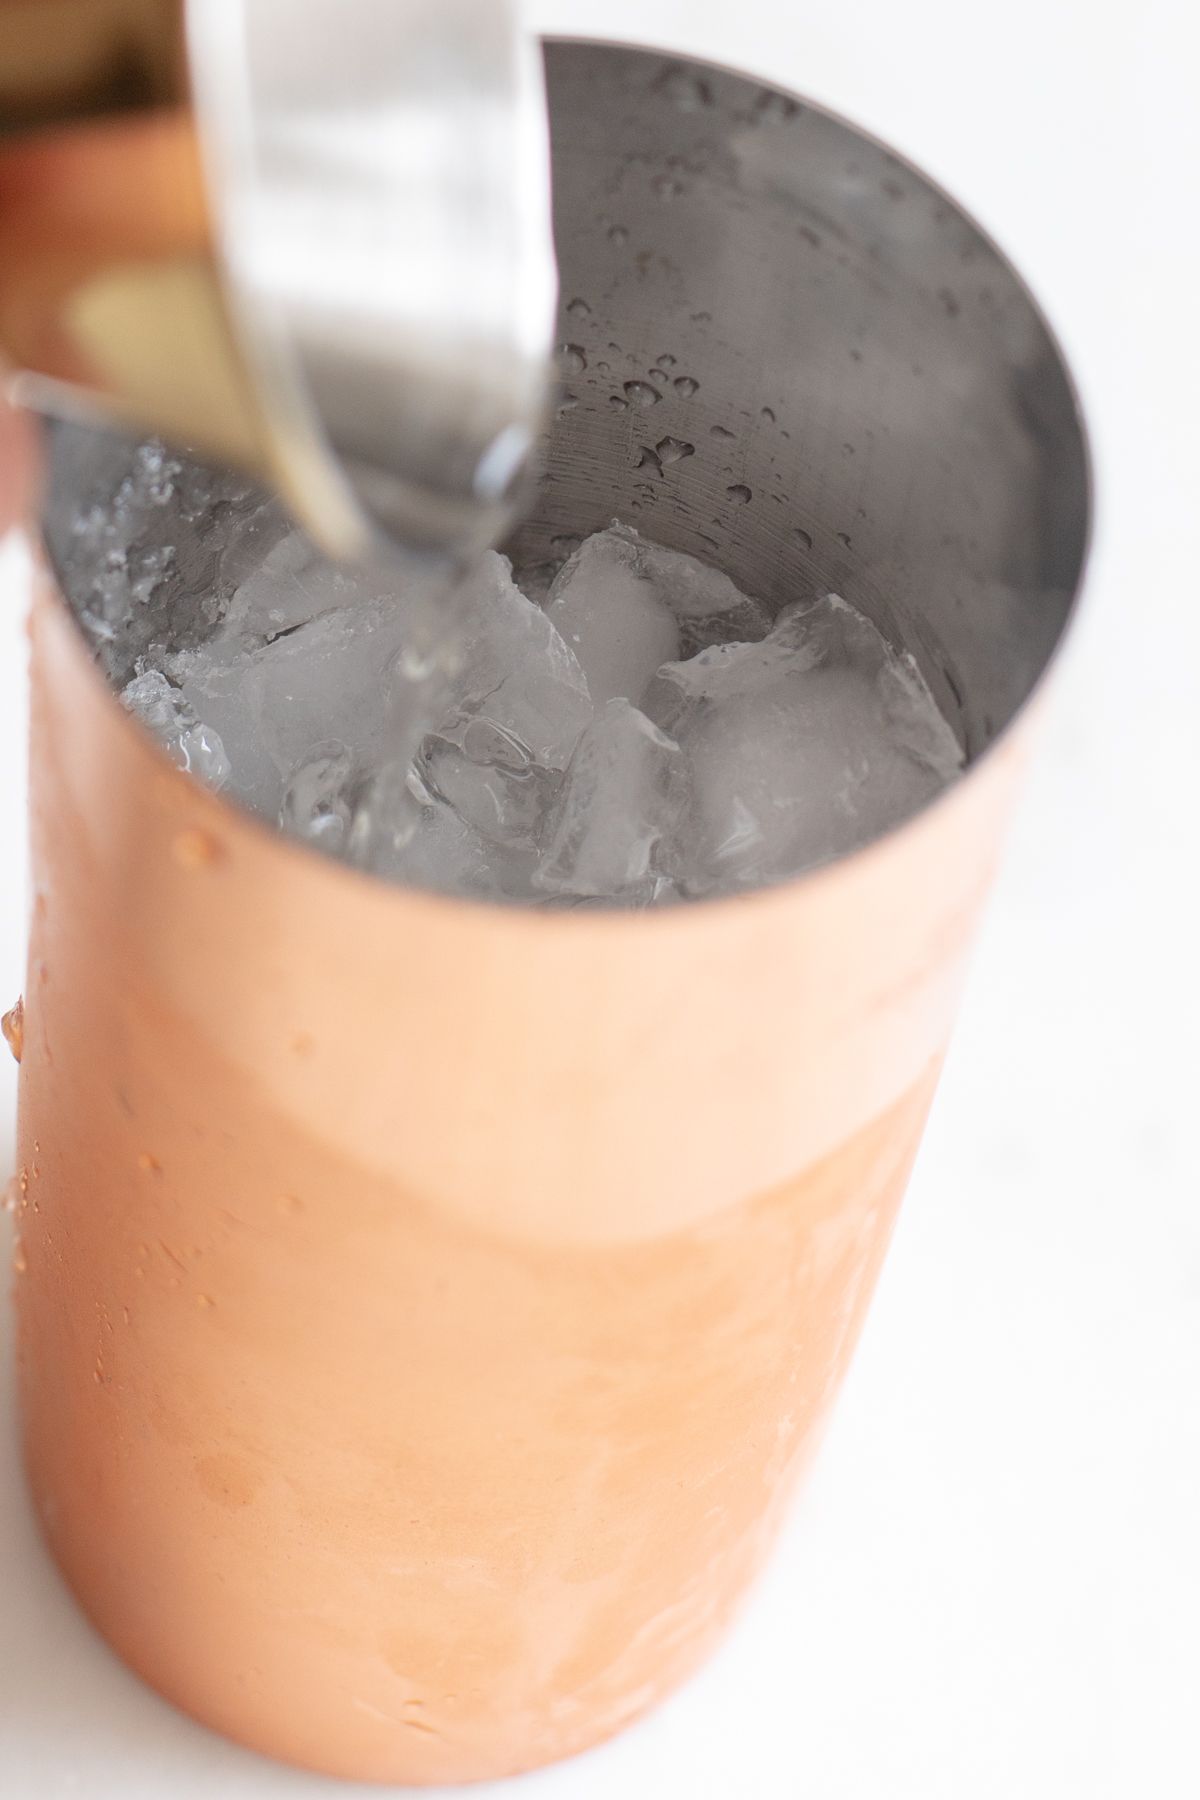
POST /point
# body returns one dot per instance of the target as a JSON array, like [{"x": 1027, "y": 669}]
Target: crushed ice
[{"x": 637, "y": 731}]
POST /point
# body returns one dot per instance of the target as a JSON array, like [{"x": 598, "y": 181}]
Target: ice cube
[
  {"x": 706, "y": 606},
  {"x": 420, "y": 725},
  {"x": 290, "y": 585},
  {"x": 272, "y": 705},
  {"x": 448, "y": 855},
  {"x": 480, "y": 869},
  {"x": 189, "y": 743},
  {"x": 144, "y": 551},
  {"x": 622, "y": 794},
  {"x": 843, "y": 637},
  {"x": 403, "y": 829},
  {"x": 800, "y": 748},
  {"x": 250, "y": 526},
  {"x": 514, "y": 670},
  {"x": 613, "y": 617},
  {"x": 917, "y": 722},
  {"x": 326, "y": 678},
  {"x": 218, "y": 691},
  {"x": 503, "y": 803},
  {"x": 350, "y": 673},
  {"x": 444, "y": 853},
  {"x": 317, "y": 799}
]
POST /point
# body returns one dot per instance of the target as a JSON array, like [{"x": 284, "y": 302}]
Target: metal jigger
[{"x": 309, "y": 239}]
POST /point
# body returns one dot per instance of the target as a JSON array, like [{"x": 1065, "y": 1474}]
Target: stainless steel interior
[
  {"x": 857, "y": 389},
  {"x": 785, "y": 351}
]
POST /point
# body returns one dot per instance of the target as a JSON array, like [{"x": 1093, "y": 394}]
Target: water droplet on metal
[
  {"x": 774, "y": 109},
  {"x": 685, "y": 386},
  {"x": 719, "y": 431},
  {"x": 666, "y": 360},
  {"x": 617, "y": 234},
  {"x": 649, "y": 460},
  {"x": 684, "y": 89},
  {"x": 618, "y": 402},
  {"x": 149, "y": 1165},
  {"x": 579, "y": 309},
  {"x": 642, "y": 394},
  {"x": 567, "y": 403},
  {"x": 20, "y": 1266},
  {"x": 844, "y": 538},
  {"x": 803, "y": 537},
  {"x": 739, "y": 492},
  {"x": 289, "y": 1205},
  {"x": 173, "y": 1256},
  {"x": 13, "y": 1027},
  {"x": 768, "y": 415},
  {"x": 571, "y": 358},
  {"x": 195, "y": 849},
  {"x": 205, "y": 1300},
  {"x": 665, "y": 187},
  {"x": 423, "y": 1726},
  {"x": 673, "y": 450}
]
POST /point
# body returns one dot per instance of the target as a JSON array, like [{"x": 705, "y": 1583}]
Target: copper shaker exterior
[{"x": 425, "y": 1307}]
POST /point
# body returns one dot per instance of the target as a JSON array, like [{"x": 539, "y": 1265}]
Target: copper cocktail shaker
[{"x": 426, "y": 1307}]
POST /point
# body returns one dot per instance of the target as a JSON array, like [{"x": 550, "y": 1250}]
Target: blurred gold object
[
  {"x": 110, "y": 289},
  {"x": 77, "y": 59},
  {"x": 317, "y": 247}
]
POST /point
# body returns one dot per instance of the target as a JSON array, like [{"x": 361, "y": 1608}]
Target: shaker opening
[{"x": 782, "y": 353}]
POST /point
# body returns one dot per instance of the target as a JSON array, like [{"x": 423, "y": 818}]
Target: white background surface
[{"x": 992, "y": 1584}]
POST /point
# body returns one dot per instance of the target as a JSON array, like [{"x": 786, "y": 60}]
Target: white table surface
[{"x": 991, "y": 1587}]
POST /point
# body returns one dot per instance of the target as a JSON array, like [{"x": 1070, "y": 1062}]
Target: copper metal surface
[{"x": 425, "y": 1307}]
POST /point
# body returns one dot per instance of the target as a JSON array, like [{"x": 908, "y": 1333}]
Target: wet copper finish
[
  {"x": 427, "y": 1307},
  {"x": 413, "y": 1371}
]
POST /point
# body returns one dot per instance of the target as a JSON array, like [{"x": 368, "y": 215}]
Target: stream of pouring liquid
[{"x": 437, "y": 593}]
